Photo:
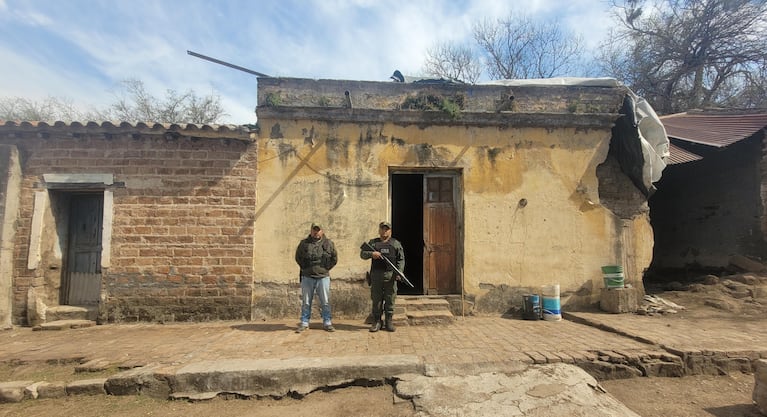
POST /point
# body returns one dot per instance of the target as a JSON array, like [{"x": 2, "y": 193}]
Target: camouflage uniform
[{"x": 383, "y": 282}]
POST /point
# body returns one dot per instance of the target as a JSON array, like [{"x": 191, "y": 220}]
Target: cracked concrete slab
[
  {"x": 279, "y": 377},
  {"x": 538, "y": 391}
]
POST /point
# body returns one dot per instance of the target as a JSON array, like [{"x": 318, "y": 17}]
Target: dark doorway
[{"x": 407, "y": 226}]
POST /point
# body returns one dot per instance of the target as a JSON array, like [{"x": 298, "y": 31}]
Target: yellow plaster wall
[{"x": 337, "y": 174}]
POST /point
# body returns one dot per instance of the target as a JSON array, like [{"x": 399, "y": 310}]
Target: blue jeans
[{"x": 308, "y": 287}]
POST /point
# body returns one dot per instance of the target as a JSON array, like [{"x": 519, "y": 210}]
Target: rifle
[{"x": 404, "y": 278}]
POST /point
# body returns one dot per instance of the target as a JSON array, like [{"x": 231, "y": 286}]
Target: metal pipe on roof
[{"x": 218, "y": 61}]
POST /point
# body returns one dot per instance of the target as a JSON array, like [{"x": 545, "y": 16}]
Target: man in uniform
[
  {"x": 316, "y": 256},
  {"x": 383, "y": 279}
]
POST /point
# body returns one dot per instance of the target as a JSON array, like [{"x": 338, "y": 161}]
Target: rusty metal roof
[
  {"x": 107, "y": 127},
  {"x": 713, "y": 129},
  {"x": 679, "y": 155}
]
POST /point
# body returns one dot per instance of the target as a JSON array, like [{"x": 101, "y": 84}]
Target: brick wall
[{"x": 182, "y": 232}]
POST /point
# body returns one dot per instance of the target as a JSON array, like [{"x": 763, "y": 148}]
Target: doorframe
[
  {"x": 71, "y": 183},
  {"x": 457, "y": 174}
]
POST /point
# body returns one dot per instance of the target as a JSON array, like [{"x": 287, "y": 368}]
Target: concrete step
[
  {"x": 421, "y": 310},
  {"x": 57, "y": 313},
  {"x": 430, "y": 317},
  {"x": 65, "y": 324},
  {"x": 422, "y": 304},
  {"x": 421, "y": 318}
]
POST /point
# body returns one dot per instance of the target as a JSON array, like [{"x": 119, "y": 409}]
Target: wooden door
[
  {"x": 440, "y": 263},
  {"x": 83, "y": 274}
]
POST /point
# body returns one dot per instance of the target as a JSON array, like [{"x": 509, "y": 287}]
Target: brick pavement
[
  {"x": 706, "y": 345},
  {"x": 730, "y": 334},
  {"x": 478, "y": 342},
  {"x": 468, "y": 340}
]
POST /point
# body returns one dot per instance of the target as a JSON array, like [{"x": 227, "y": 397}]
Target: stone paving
[
  {"x": 731, "y": 334},
  {"x": 714, "y": 345},
  {"x": 471, "y": 341},
  {"x": 605, "y": 345}
]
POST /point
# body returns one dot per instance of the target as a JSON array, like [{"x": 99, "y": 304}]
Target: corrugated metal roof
[
  {"x": 679, "y": 155},
  {"x": 713, "y": 129},
  {"x": 189, "y": 129}
]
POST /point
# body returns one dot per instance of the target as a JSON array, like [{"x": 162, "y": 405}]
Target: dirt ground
[
  {"x": 352, "y": 401},
  {"x": 717, "y": 396}
]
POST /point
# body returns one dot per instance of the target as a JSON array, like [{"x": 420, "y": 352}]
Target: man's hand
[{"x": 377, "y": 255}]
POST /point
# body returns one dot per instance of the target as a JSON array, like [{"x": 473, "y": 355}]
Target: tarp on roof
[
  {"x": 586, "y": 82},
  {"x": 649, "y": 128}
]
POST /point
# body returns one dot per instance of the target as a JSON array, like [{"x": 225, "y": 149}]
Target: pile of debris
[
  {"x": 652, "y": 304},
  {"x": 742, "y": 289}
]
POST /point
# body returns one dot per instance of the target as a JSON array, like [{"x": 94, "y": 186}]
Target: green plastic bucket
[
  {"x": 612, "y": 269},
  {"x": 613, "y": 276}
]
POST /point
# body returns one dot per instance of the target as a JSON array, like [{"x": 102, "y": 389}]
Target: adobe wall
[
  {"x": 321, "y": 161},
  {"x": 10, "y": 183},
  {"x": 182, "y": 233}
]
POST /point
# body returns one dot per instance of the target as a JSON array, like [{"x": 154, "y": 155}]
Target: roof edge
[
  {"x": 214, "y": 131},
  {"x": 440, "y": 118}
]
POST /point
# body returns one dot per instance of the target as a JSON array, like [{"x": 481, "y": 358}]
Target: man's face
[
  {"x": 316, "y": 233},
  {"x": 384, "y": 232}
]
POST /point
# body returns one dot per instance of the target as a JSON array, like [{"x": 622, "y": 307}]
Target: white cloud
[{"x": 81, "y": 52}]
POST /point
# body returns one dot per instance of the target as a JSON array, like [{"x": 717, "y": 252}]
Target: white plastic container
[{"x": 551, "y": 306}]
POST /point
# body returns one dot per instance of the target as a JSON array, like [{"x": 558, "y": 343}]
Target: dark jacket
[{"x": 316, "y": 257}]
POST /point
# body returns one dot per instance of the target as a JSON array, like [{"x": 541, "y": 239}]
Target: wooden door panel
[
  {"x": 84, "y": 288},
  {"x": 83, "y": 278},
  {"x": 440, "y": 235}
]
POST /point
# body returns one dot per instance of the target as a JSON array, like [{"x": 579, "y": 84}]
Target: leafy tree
[
  {"x": 683, "y": 54},
  {"x": 132, "y": 104}
]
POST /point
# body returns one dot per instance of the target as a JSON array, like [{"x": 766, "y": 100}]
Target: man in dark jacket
[{"x": 316, "y": 256}]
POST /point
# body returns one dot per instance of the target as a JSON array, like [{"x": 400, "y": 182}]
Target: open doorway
[{"x": 407, "y": 227}]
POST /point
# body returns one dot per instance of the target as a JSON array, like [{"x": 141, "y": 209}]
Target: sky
[{"x": 80, "y": 50}]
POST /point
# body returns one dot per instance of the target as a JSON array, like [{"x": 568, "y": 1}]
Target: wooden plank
[{"x": 84, "y": 288}]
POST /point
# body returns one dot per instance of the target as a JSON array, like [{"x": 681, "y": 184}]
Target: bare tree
[
  {"x": 453, "y": 61},
  {"x": 682, "y": 54},
  {"x": 48, "y": 109},
  {"x": 518, "y": 47},
  {"x": 134, "y": 104}
]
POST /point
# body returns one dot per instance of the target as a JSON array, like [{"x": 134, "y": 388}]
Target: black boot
[
  {"x": 376, "y": 322},
  {"x": 376, "y": 326},
  {"x": 389, "y": 323}
]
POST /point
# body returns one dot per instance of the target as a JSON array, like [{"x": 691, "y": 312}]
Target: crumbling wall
[
  {"x": 10, "y": 184},
  {"x": 535, "y": 209},
  {"x": 182, "y": 236}
]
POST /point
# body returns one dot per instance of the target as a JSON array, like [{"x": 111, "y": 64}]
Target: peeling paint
[
  {"x": 537, "y": 206},
  {"x": 275, "y": 132},
  {"x": 337, "y": 151}
]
